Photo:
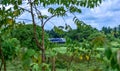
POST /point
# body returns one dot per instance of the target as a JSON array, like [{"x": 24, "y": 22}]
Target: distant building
[{"x": 57, "y": 40}]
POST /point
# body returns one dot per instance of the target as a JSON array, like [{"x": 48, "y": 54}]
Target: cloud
[
  {"x": 107, "y": 14},
  {"x": 6, "y": 7}
]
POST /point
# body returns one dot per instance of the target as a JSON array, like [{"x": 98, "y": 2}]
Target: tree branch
[
  {"x": 48, "y": 19},
  {"x": 38, "y": 11},
  {"x": 34, "y": 26},
  {"x": 23, "y": 19},
  {"x": 39, "y": 14},
  {"x": 52, "y": 23},
  {"x": 51, "y": 18},
  {"x": 24, "y": 9}
]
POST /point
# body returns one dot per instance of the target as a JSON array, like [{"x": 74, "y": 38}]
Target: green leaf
[
  {"x": 108, "y": 52},
  {"x": 30, "y": 52},
  {"x": 35, "y": 66},
  {"x": 58, "y": 30},
  {"x": 113, "y": 63},
  {"x": 15, "y": 6},
  {"x": 20, "y": 2},
  {"x": 100, "y": 1},
  {"x": 75, "y": 9},
  {"x": 51, "y": 10},
  {"x": 45, "y": 16}
]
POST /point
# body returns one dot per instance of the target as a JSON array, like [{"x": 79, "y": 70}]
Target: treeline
[
  {"x": 113, "y": 31},
  {"x": 81, "y": 33},
  {"x": 84, "y": 32}
]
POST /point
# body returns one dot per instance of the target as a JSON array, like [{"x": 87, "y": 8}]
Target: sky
[{"x": 107, "y": 14}]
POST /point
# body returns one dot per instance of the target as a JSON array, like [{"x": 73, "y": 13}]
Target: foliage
[
  {"x": 98, "y": 40},
  {"x": 82, "y": 32},
  {"x": 9, "y": 47},
  {"x": 56, "y": 33},
  {"x": 114, "y": 32},
  {"x": 24, "y": 33},
  {"x": 111, "y": 59},
  {"x": 30, "y": 59}
]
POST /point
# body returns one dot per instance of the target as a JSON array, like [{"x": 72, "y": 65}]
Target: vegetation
[{"x": 25, "y": 47}]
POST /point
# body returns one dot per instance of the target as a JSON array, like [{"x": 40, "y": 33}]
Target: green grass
[
  {"x": 16, "y": 66},
  {"x": 102, "y": 49},
  {"x": 81, "y": 66}
]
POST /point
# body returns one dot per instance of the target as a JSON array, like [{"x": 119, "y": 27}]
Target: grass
[
  {"x": 102, "y": 49},
  {"x": 13, "y": 66},
  {"x": 81, "y": 66}
]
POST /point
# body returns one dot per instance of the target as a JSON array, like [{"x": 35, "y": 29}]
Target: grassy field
[
  {"x": 81, "y": 66},
  {"x": 85, "y": 66}
]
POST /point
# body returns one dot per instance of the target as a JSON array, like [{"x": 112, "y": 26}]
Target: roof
[{"x": 57, "y": 40}]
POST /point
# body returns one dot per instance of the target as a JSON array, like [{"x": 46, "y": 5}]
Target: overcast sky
[{"x": 107, "y": 14}]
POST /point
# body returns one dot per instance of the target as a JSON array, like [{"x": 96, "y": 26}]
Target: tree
[
  {"x": 9, "y": 47},
  {"x": 98, "y": 40},
  {"x": 81, "y": 33},
  {"x": 52, "y": 34},
  {"x": 25, "y": 34},
  {"x": 56, "y": 33},
  {"x": 64, "y": 7},
  {"x": 104, "y": 29},
  {"x": 7, "y": 22}
]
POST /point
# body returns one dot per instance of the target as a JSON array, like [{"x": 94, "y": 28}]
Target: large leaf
[
  {"x": 30, "y": 52},
  {"x": 108, "y": 52}
]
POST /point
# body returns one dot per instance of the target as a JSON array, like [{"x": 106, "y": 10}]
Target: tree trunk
[
  {"x": 43, "y": 46},
  {"x": 40, "y": 45},
  {"x": 43, "y": 49},
  {"x": 2, "y": 58},
  {"x": 53, "y": 63},
  {"x": 4, "y": 65},
  {"x": 34, "y": 26},
  {"x": 1, "y": 66}
]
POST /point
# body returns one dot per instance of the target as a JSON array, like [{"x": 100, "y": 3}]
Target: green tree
[
  {"x": 9, "y": 47},
  {"x": 53, "y": 34},
  {"x": 7, "y": 22},
  {"x": 81, "y": 33},
  {"x": 25, "y": 34},
  {"x": 98, "y": 40}
]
